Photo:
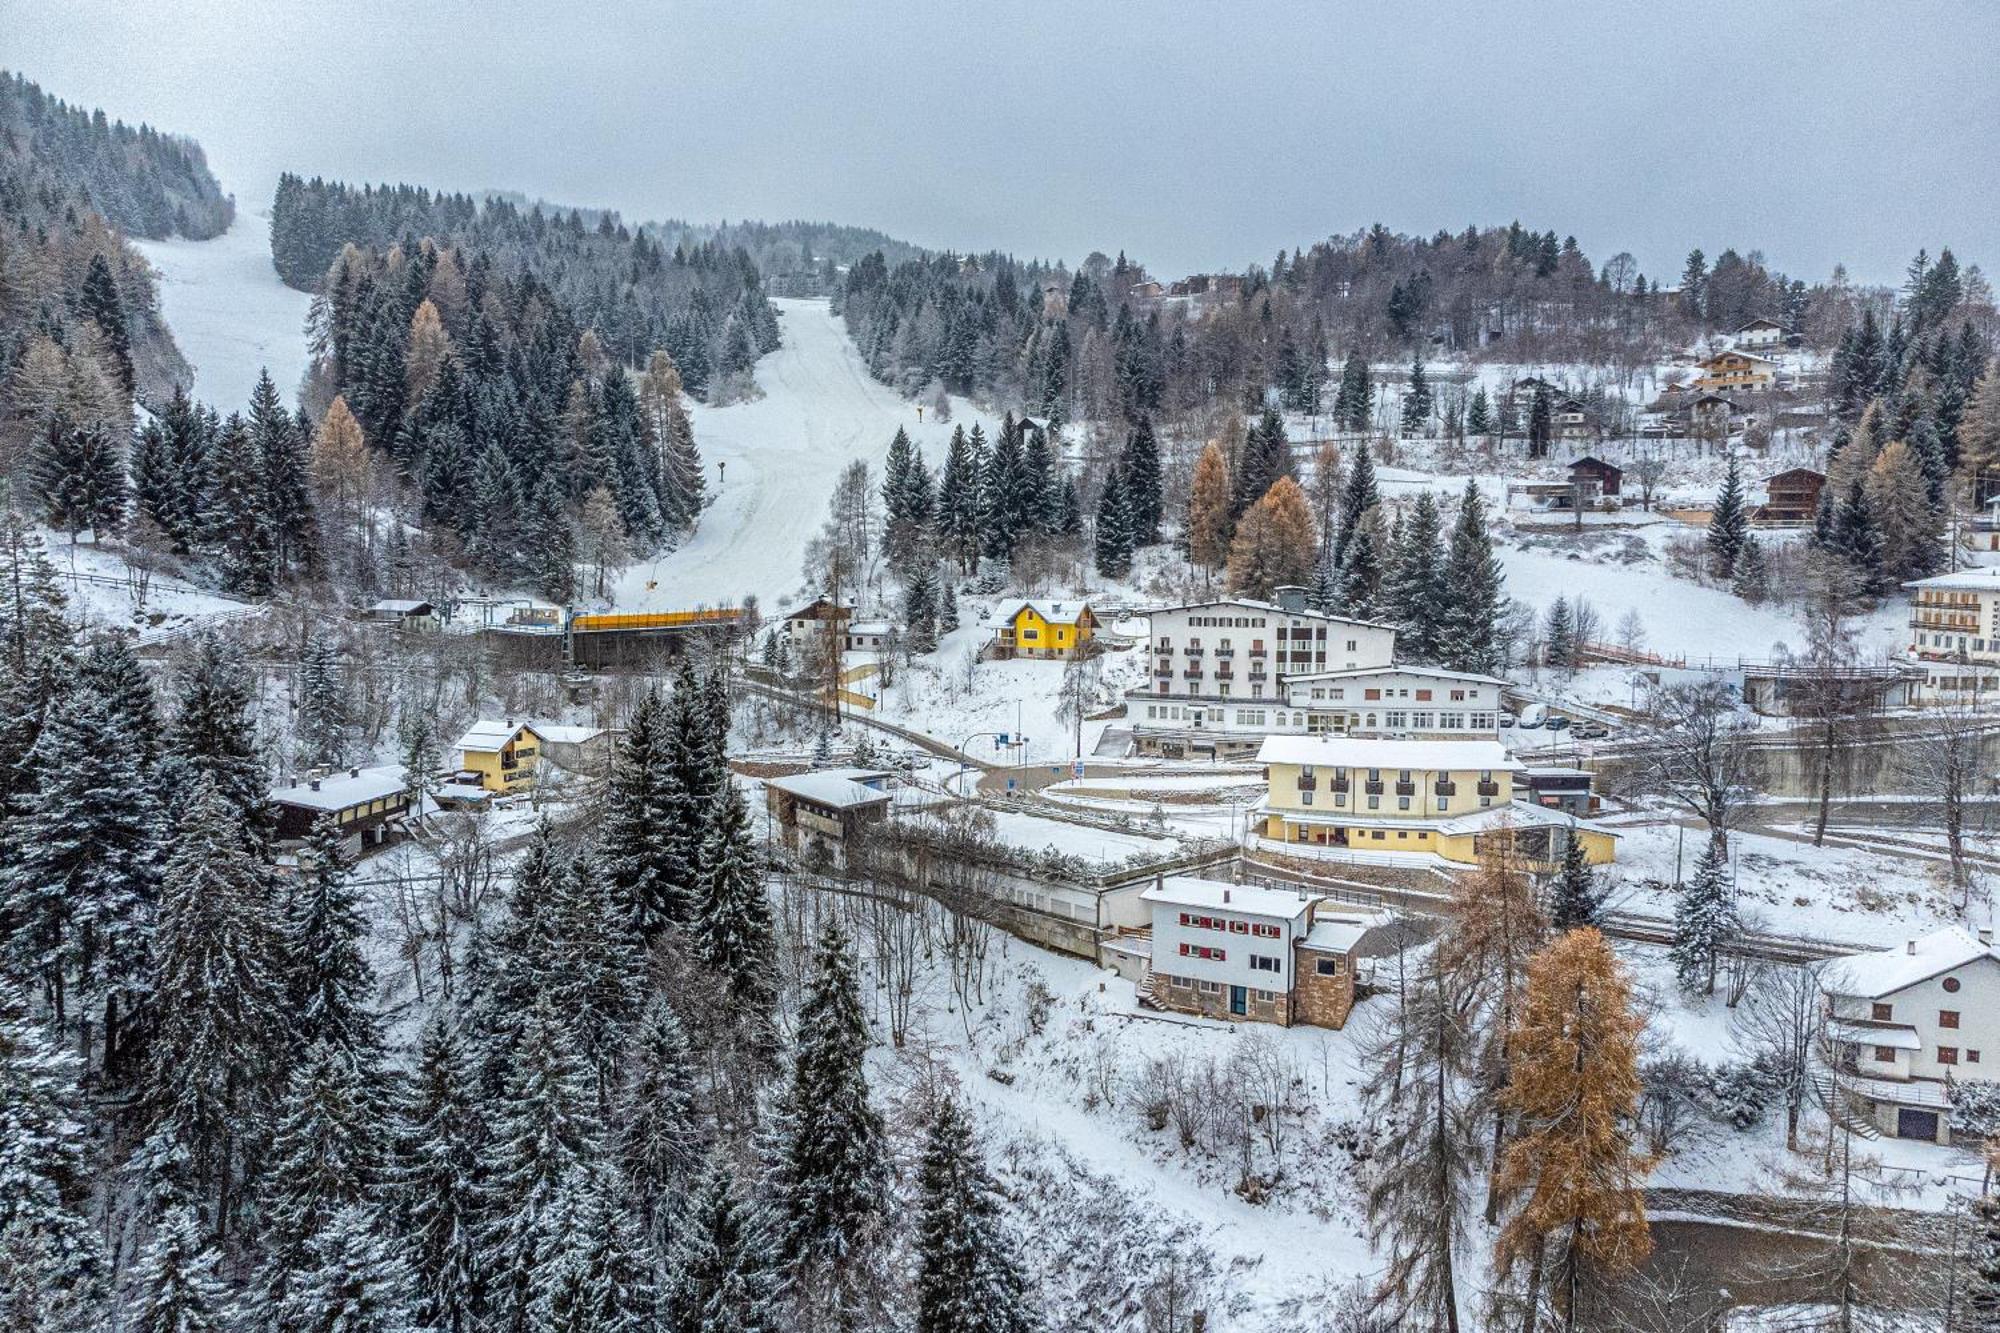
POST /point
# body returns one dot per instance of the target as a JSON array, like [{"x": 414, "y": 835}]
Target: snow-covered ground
[
  {"x": 771, "y": 463},
  {"x": 229, "y": 313}
]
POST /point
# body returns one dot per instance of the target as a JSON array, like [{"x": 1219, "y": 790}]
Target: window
[
  {"x": 1947, "y": 1055},
  {"x": 1239, "y": 927},
  {"x": 1951, "y": 985},
  {"x": 1327, "y": 967},
  {"x": 1402, "y": 802},
  {"x": 1972, "y": 1057},
  {"x": 1886, "y": 1054},
  {"x": 1375, "y": 803},
  {"x": 1209, "y": 987},
  {"x": 1264, "y": 932},
  {"x": 1350, "y": 642},
  {"x": 1423, "y": 696},
  {"x": 1947, "y": 1018},
  {"x": 1883, "y": 1013},
  {"x": 1264, "y": 963}
]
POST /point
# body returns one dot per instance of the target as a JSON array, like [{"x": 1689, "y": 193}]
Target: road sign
[{"x": 1076, "y": 768}]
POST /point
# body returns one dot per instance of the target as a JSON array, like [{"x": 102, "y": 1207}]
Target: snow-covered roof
[
  {"x": 344, "y": 789},
  {"x": 1868, "y": 1032},
  {"x": 1339, "y": 934},
  {"x": 1738, "y": 351},
  {"x": 1983, "y": 579},
  {"x": 1518, "y": 814},
  {"x": 470, "y": 793},
  {"x": 877, "y": 627},
  {"x": 1055, "y": 613},
  {"x": 830, "y": 788},
  {"x": 489, "y": 734},
  {"x": 1870, "y": 976},
  {"x": 1762, "y": 324},
  {"x": 1345, "y": 752},
  {"x": 1393, "y": 669},
  {"x": 1268, "y": 608},
  {"x": 558, "y": 733},
  {"x": 399, "y": 606},
  {"x": 1248, "y": 899}
]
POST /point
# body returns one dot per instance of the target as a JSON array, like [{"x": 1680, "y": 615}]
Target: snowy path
[
  {"x": 229, "y": 313},
  {"x": 780, "y": 456}
]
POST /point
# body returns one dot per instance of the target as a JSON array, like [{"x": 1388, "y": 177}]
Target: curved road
[{"x": 780, "y": 456}]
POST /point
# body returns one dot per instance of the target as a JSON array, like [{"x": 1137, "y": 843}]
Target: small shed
[{"x": 408, "y": 613}]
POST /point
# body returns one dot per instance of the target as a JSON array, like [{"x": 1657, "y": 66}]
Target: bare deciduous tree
[{"x": 1697, "y": 753}]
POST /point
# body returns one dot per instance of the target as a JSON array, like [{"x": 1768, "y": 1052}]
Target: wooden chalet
[
  {"x": 361, "y": 801},
  {"x": 1791, "y": 496},
  {"x": 1593, "y": 477}
]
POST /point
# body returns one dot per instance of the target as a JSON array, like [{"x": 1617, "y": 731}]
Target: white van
[{"x": 1534, "y": 715}]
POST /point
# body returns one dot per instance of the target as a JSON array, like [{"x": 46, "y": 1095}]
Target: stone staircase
[
  {"x": 1147, "y": 999},
  {"x": 1843, "y": 1109}
]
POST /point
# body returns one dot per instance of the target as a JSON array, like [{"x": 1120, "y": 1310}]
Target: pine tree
[
  {"x": 1752, "y": 581},
  {"x": 1540, "y": 424},
  {"x": 1857, "y": 540},
  {"x": 170, "y": 467},
  {"x": 1139, "y": 468},
  {"x": 661, "y": 1137},
  {"x": 219, "y": 1042},
  {"x": 440, "y": 1190},
  {"x": 1114, "y": 529},
  {"x": 45, "y": 1178},
  {"x": 111, "y": 671},
  {"x": 80, "y": 474},
  {"x": 1573, "y": 1082},
  {"x": 80, "y": 868},
  {"x": 213, "y": 733},
  {"x": 328, "y": 1152},
  {"x": 1360, "y": 576},
  {"x": 920, "y": 608},
  {"x": 958, "y": 498},
  {"x": 331, "y": 984},
  {"x": 1559, "y": 638},
  {"x": 1266, "y": 458},
  {"x": 1007, "y": 503},
  {"x": 99, "y": 302},
  {"x": 352, "y": 1279},
  {"x": 1729, "y": 526},
  {"x": 1354, "y": 402},
  {"x": 323, "y": 712},
  {"x": 1575, "y": 898},
  {"x": 179, "y": 1291},
  {"x": 283, "y": 500},
  {"x": 947, "y": 607},
  {"x": 594, "y": 1273},
  {"x": 725, "y": 1276},
  {"x": 643, "y": 797},
  {"x": 1983, "y": 1294},
  {"x": 1479, "y": 416},
  {"x": 1416, "y": 398},
  {"x": 1470, "y": 637},
  {"x": 1416, "y": 595},
  {"x": 902, "y": 528},
  {"x": 833, "y": 1169},
  {"x": 546, "y": 1128},
  {"x": 968, "y": 1279},
  {"x": 1704, "y": 920},
  {"x": 1357, "y": 498},
  {"x": 732, "y": 927}
]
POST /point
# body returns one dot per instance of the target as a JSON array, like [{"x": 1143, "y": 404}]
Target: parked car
[
  {"x": 1591, "y": 731},
  {"x": 1506, "y": 721},
  {"x": 1534, "y": 715},
  {"x": 1558, "y": 724}
]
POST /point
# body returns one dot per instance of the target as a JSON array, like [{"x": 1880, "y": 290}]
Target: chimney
[
  {"x": 1291, "y": 597},
  {"x": 1986, "y": 935},
  {"x": 315, "y": 784},
  {"x": 1225, "y": 895},
  {"x": 354, "y": 772},
  {"x": 1911, "y": 948}
]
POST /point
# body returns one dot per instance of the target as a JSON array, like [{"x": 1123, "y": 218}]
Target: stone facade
[
  {"x": 1212, "y": 1000},
  {"x": 1323, "y": 1000}
]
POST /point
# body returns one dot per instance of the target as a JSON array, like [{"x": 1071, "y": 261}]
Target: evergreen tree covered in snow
[
  {"x": 440, "y": 1188},
  {"x": 1114, "y": 529},
  {"x": 1360, "y": 588},
  {"x": 331, "y": 985},
  {"x": 643, "y": 799},
  {"x": 594, "y": 1275},
  {"x": 213, "y": 733},
  {"x": 968, "y": 1277},
  {"x": 959, "y": 523},
  {"x": 323, "y": 724},
  {"x": 732, "y": 924},
  {"x": 1470, "y": 633},
  {"x": 725, "y": 1277},
  {"x": 1415, "y": 596},
  {"x": 178, "y": 1289},
  {"x": 351, "y": 1279},
  {"x": 1704, "y": 920},
  {"x": 833, "y": 1170},
  {"x": 1575, "y": 898},
  {"x": 1479, "y": 415},
  {"x": 1354, "y": 401},
  {"x": 1417, "y": 399},
  {"x": 44, "y": 1171},
  {"x": 234, "y": 521},
  {"x": 1559, "y": 636},
  {"x": 920, "y": 595},
  {"x": 111, "y": 670},
  {"x": 170, "y": 470},
  {"x": 80, "y": 473},
  {"x": 1139, "y": 466},
  {"x": 1357, "y": 498},
  {"x": 328, "y": 1154},
  {"x": 1729, "y": 526},
  {"x": 1266, "y": 456},
  {"x": 661, "y": 1137},
  {"x": 1540, "y": 423}
]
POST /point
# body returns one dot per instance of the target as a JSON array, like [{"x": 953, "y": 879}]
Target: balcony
[
  {"x": 1224, "y": 673},
  {"x": 1308, "y": 784},
  {"x": 1192, "y": 673},
  {"x": 1489, "y": 789},
  {"x": 1340, "y": 786},
  {"x": 1447, "y": 789},
  {"x": 1372, "y": 788},
  {"x": 1258, "y": 673},
  {"x": 1225, "y": 652},
  {"x": 1258, "y": 653},
  {"x": 1192, "y": 652},
  {"x": 1406, "y": 789}
]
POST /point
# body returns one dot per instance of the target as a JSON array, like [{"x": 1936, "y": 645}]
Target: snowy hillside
[{"x": 229, "y": 313}]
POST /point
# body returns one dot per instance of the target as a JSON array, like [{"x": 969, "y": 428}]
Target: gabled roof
[
  {"x": 1352, "y": 752},
  {"x": 1736, "y": 351},
  {"x": 490, "y": 734},
  {"x": 1795, "y": 472},
  {"x": 1055, "y": 613},
  {"x": 1986, "y": 578},
  {"x": 819, "y": 608},
  {"x": 1520, "y": 815},
  {"x": 1591, "y": 460},
  {"x": 1249, "y": 899},
  {"x": 400, "y": 606},
  {"x": 1762, "y": 324},
  {"x": 1870, "y": 976}
]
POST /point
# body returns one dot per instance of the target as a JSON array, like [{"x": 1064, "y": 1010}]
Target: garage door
[{"x": 1917, "y": 1125}]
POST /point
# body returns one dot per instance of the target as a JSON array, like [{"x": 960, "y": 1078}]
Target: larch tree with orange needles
[
  {"x": 1574, "y": 1086},
  {"x": 1208, "y": 510},
  {"x": 1274, "y": 542}
]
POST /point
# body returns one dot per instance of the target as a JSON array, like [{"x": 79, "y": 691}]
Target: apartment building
[{"x": 1955, "y": 630}]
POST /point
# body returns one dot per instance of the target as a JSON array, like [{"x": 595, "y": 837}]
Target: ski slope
[
  {"x": 770, "y": 465},
  {"x": 229, "y": 313}
]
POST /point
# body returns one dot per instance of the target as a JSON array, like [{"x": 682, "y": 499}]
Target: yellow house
[
  {"x": 503, "y": 754},
  {"x": 1737, "y": 372},
  {"x": 1450, "y": 799},
  {"x": 1035, "y": 628}
]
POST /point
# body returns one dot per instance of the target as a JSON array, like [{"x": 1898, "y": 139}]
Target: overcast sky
[{"x": 1193, "y": 135}]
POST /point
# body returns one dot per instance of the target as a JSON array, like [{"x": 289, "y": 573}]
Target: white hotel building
[{"x": 1226, "y": 674}]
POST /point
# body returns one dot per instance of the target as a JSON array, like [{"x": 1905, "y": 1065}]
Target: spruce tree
[
  {"x": 440, "y": 1187},
  {"x": 1357, "y": 498},
  {"x": 1575, "y": 898},
  {"x": 903, "y": 527},
  {"x": 1983, "y": 1294},
  {"x": 328, "y": 1153},
  {"x": 725, "y": 1277},
  {"x": 1354, "y": 401},
  {"x": 352, "y": 1279},
  {"x": 1267, "y": 456},
  {"x": 643, "y": 796},
  {"x": 1417, "y": 401},
  {"x": 1540, "y": 424},
  {"x": 1704, "y": 920},
  {"x": 323, "y": 726},
  {"x": 45, "y": 1178},
  {"x": 1140, "y": 468},
  {"x": 111, "y": 671},
  {"x": 661, "y": 1135},
  {"x": 219, "y": 1042},
  {"x": 1470, "y": 638},
  {"x": 1752, "y": 581},
  {"x": 1559, "y": 637},
  {"x": 178, "y": 1290},
  {"x": 213, "y": 733},
  {"x": 1113, "y": 535},
  {"x": 99, "y": 302},
  {"x": 80, "y": 474},
  {"x": 170, "y": 470},
  {"x": 331, "y": 984},
  {"x": 732, "y": 929},
  {"x": 1729, "y": 526},
  {"x": 1479, "y": 416},
  {"x": 284, "y": 491},
  {"x": 833, "y": 1170},
  {"x": 1416, "y": 596},
  {"x": 968, "y": 1278},
  {"x": 1360, "y": 579},
  {"x": 920, "y": 608},
  {"x": 595, "y": 1274},
  {"x": 958, "y": 504},
  {"x": 1858, "y": 541}
]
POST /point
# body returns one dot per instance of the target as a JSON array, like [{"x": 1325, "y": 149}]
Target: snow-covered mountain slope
[
  {"x": 229, "y": 313},
  {"x": 779, "y": 457}
]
